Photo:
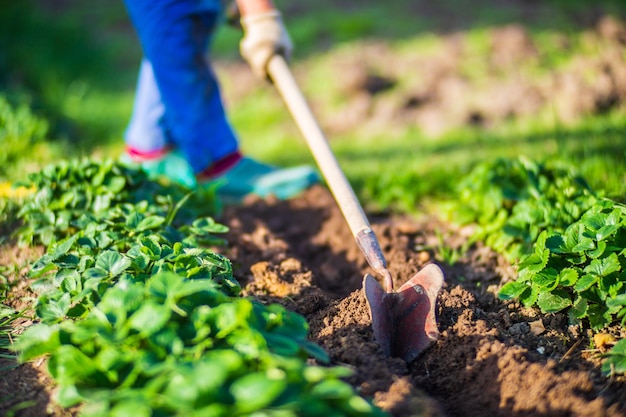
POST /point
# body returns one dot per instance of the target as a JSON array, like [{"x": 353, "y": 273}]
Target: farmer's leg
[
  {"x": 174, "y": 36},
  {"x": 145, "y": 135}
]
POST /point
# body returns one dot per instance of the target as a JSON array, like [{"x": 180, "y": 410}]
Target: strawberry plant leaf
[
  {"x": 529, "y": 296},
  {"x": 599, "y": 251},
  {"x": 258, "y": 390},
  {"x": 604, "y": 266},
  {"x": 616, "y": 303},
  {"x": 112, "y": 262},
  {"x": 149, "y": 318},
  {"x": 580, "y": 307},
  {"x": 554, "y": 301},
  {"x": 68, "y": 396},
  {"x": 53, "y": 310},
  {"x": 533, "y": 263},
  {"x": 37, "y": 340},
  {"x": 616, "y": 359},
  {"x": 62, "y": 247},
  {"x": 568, "y": 277},
  {"x": 546, "y": 279},
  {"x": 598, "y": 315},
  {"x": 96, "y": 273},
  {"x": 151, "y": 222},
  {"x": 135, "y": 408},
  {"x": 512, "y": 290},
  {"x": 585, "y": 282},
  {"x": 332, "y": 389},
  {"x": 556, "y": 244}
]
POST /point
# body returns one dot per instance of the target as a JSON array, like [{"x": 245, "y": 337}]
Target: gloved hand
[{"x": 264, "y": 36}]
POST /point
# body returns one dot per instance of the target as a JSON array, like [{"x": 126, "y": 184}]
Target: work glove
[{"x": 264, "y": 36}]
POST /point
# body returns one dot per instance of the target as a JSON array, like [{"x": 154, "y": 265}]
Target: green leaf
[
  {"x": 37, "y": 340},
  {"x": 62, "y": 247},
  {"x": 150, "y": 318},
  {"x": 575, "y": 240},
  {"x": 529, "y": 296},
  {"x": 585, "y": 282},
  {"x": 556, "y": 244},
  {"x": 258, "y": 390},
  {"x": 70, "y": 365},
  {"x": 554, "y": 301},
  {"x": 535, "y": 262},
  {"x": 151, "y": 222},
  {"x": 332, "y": 389},
  {"x": 546, "y": 279},
  {"x": 281, "y": 345},
  {"x": 112, "y": 262},
  {"x": 96, "y": 273},
  {"x": 615, "y": 303},
  {"x": 153, "y": 247},
  {"x": 133, "y": 407},
  {"x": 568, "y": 277},
  {"x": 598, "y": 316},
  {"x": 512, "y": 290},
  {"x": 601, "y": 247},
  {"x": 116, "y": 184},
  {"x": 207, "y": 225},
  {"x": 51, "y": 310},
  {"x": 604, "y": 266},
  {"x": 316, "y": 351},
  {"x": 616, "y": 359},
  {"x": 68, "y": 396},
  {"x": 580, "y": 307}
]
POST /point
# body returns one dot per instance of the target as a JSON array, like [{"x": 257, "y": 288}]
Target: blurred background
[{"x": 412, "y": 94}]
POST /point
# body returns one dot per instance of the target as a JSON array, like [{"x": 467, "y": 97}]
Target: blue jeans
[{"x": 178, "y": 102}]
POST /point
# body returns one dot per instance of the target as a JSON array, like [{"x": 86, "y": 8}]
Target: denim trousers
[{"x": 177, "y": 102}]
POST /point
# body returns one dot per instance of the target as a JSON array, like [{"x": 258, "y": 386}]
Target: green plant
[
  {"x": 138, "y": 318},
  {"x": 580, "y": 269},
  {"x": 615, "y": 362},
  {"x": 514, "y": 200},
  {"x": 69, "y": 191},
  {"x": 174, "y": 346},
  {"x": 20, "y": 129},
  {"x": 126, "y": 242}
]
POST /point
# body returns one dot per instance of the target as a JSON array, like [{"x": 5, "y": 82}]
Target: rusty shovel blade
[{"x": 404, "y": 322}]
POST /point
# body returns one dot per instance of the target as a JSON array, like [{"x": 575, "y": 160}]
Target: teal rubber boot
[
  {"x": 249, "y": 177},
  {"x": 172, "y": 166}
]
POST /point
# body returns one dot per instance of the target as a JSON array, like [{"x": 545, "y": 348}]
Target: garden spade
[{"x": 403, "y": 322}]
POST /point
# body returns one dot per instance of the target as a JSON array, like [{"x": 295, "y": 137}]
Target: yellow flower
[{"x": 8, "y": 191}]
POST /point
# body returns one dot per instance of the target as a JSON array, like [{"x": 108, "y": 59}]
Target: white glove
[{"x": 264, "y": 36}]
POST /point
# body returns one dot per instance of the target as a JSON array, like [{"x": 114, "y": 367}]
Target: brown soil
[{"x": 492, "y": 358}]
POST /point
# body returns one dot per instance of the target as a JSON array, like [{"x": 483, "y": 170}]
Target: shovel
[{"x": 403, "y": 322}]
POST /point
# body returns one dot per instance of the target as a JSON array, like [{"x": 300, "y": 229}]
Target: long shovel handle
[{"x": 339, "y": 186}]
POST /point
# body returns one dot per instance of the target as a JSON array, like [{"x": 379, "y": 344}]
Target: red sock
[
  {"x": 220, "y": 166},
  {"x": 140, "y": 156}
]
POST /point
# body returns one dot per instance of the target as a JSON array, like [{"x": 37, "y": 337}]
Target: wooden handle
[{"x": 340, "y": 187}]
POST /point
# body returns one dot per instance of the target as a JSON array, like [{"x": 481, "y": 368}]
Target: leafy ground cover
[{"x": 437, "y": 106}]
